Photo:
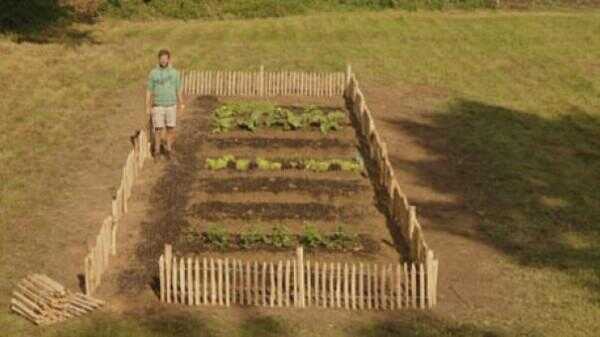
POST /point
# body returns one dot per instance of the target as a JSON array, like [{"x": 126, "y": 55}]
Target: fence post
[
  {"x": 262, "y": 80},
  {"x": 300, "y": 266}
]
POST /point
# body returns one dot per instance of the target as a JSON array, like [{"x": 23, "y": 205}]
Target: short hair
[{"x": 164, "y": 52}]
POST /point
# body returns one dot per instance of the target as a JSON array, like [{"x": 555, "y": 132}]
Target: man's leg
[
  {"x": 170, "y": 121},
  {"x": 170, "y": 138},
  {"x": 158, "y": 123},
  {"x": 159, "y": 135}
]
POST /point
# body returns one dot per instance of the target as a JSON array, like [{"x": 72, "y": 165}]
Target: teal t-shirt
[{"x": 164, "y": 83}]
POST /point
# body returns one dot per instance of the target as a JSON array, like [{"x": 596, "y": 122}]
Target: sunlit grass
[{"x": 68, "y": 108}]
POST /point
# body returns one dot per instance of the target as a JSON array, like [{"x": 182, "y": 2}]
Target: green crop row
[
  {"x": 252, "y": 115},
  {"x": 279, "y": 237},
  {"x": 315, "y": 165}
]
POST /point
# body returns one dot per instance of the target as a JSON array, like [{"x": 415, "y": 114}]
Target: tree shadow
[
  {"x": 532, "y": 182},
  {"x": 411, "y": 324},
  {"x": 46, "y": 21}
]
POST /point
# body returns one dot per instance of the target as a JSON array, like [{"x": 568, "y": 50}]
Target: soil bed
[
  {"x": 218, "y": 210},
  {"x": 281, "y": 184}
]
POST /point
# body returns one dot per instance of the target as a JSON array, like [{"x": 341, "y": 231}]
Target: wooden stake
[
  {"x": 382, "y": 289},
  {"x": 353, "y": 286},
  {"x": 190, "y": 284},
  {"x": 175, "y": 283},
  {"x": 316, "y": 284},
  {"x": 227, "y": 296},
  {"x": 161, "y": 276},
  {"x": 331, "y": 286},
  {"x": 220, "y": 281},
  {"x": 272, "y": 293},
  {"x": 376, "y": 287},
  {"x": 197, "y": 281},
  {"x": 279, "y": 283},
  {"x": 255, "y": 287},
  {"x": 346, "y": 289},
  {"x": 413, "y": 284},
  {"x": 168, "y": 261},
  {"x": 421, "y": 286},
  {"x": 248, "y": 280},
  {"x": 308, "y": 285},
  {"x": 213, "y": 283},
  {"x": 182, "y": 279},
  {"x": 398, "y": 287},
  {"x": 263, "y": 280},
  {"x": 369, "y": 300},
  {"x": 360, "y": 286},
  {"x": 205, "y": 300},
  {"x": 287, "y": 283}
]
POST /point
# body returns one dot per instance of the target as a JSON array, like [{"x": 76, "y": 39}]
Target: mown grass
[{"x": 521, "y": 101}]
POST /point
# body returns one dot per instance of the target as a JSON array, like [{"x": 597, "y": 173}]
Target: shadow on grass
[
  {"x": 413, "y": 324},
  {"x": 533, "y": 182},
  {"x": 45, "y": 21}
]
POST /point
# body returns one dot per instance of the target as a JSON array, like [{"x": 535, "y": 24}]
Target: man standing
[{"x": 162, "y": 96}]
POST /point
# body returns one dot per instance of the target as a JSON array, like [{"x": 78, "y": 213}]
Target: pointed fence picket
[{"x": 296, "y": 283}]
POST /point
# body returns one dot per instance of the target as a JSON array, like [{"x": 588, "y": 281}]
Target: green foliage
[
  {"x": 340, "y": 239},
  {"x": 264, "y": 164},
  {"x": 311, "y": 237},
  {"x": 217, "y": 236},
  {"x": 242, "y": 164},
  {"x": 281, "y": 237},
  {"x": 252, "y": 115},
  {"x": 219, "y": 163},
  {"x": 252, "y": 238},
  {"x": 317, "y": 165},
  {"x": 195, "y": 9}
]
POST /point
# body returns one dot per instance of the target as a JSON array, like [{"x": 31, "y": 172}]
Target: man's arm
[{"x": 148, "y": 101}]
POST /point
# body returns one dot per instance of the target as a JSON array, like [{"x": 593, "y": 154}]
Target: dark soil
[
  {"x": 217, "y": 210},
  {"x": 314, "y": 187}
]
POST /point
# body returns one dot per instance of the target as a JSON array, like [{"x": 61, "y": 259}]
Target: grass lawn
[{"x": 519, "y": 109}]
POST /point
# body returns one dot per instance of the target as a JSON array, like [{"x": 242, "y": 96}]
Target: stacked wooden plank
[{"x": 42, "y": 300}]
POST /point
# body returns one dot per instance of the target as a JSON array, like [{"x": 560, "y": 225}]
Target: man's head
[{"x": 164, "y": 58}]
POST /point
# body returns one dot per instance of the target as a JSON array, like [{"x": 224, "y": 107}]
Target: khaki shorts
[{"x": 164, "y": 115}]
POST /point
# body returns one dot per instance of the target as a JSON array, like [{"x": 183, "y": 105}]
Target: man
[{"x": 162, "y": 97}]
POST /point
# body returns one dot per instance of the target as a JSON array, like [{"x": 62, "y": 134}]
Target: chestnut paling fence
[
  {"x": 261, "y": 83},
  {"x": 295, "y": 283},
  {"x": 97, "y": 260},
  {"x": 423, "y": 266}
]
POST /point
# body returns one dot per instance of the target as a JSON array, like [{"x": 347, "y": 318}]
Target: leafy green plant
[
  {"x": 252, "y": 238},
  {"x": 311, "y": 237},
  {"x": 219, "y": 163},
  {"x": 264, "y": 164},
  {"x": 340, "y": 239},
  {"x": 253, "y": 115},
  {"x": 242, "y": 164},
  {"x": 317, "y": 165},
  {"x": 281, "y": 237},
  {"x": 217, "y": 236}
]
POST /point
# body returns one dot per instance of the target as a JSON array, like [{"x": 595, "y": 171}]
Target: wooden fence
[
  {"x": 105, "y": 245},
  {"x": 399, "y": 210},
  {"x": 296, "y": 283},
  {"x": 261, "y": 83}
]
